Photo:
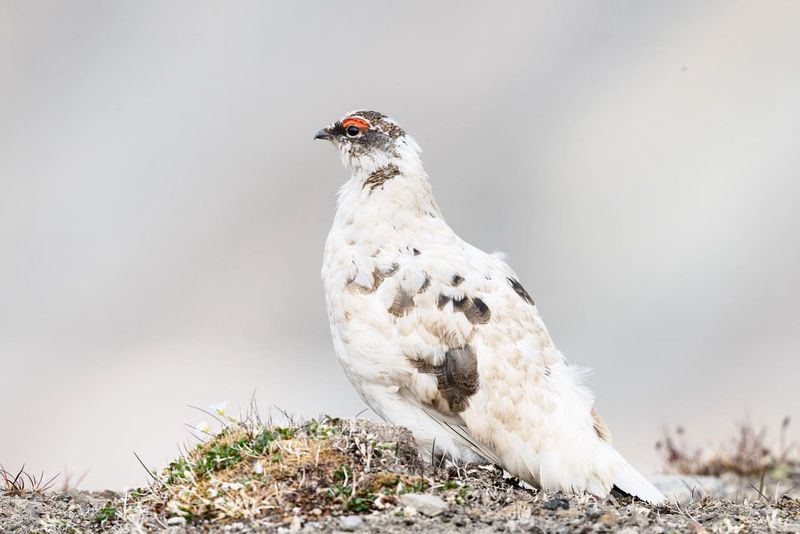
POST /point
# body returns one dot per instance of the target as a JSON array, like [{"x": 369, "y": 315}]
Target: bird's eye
[{"x": 352, "y": 131}]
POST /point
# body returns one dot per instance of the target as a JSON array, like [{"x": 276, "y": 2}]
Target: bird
[{"x": 442, "y": 338}]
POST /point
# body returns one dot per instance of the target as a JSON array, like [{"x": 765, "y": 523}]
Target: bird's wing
[
  {"x": 459, "y": 432},
  {"x": 468, "y": 341}
]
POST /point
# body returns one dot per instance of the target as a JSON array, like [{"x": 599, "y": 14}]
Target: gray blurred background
[{"x": 163, "y": 207}]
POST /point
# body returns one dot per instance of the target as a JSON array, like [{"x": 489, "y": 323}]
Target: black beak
[{"x": 324, "y": 134}]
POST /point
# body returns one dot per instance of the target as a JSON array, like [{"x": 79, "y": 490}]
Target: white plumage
[{"x": 440, "y": 337}]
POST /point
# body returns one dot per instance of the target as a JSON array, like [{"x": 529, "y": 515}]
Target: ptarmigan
[{"x": 441, "y": 337}]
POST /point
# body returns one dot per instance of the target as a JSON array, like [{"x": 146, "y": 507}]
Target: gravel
[
  {"x": 506, "y": 508},
  {"x": 54, "y": 512}
]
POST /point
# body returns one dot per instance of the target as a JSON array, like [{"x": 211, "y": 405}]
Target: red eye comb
[{"x": 355, "y": 121}]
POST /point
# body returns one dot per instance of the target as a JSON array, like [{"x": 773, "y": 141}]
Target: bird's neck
[{"x": 394, "y": 190}]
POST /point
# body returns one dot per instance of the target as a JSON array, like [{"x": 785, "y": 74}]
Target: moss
[
  {"x": 218, "y": 457},
  {"x": 106, "y": 513}
]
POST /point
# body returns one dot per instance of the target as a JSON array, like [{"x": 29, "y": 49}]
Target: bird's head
[{"x": 369, "y": 140}]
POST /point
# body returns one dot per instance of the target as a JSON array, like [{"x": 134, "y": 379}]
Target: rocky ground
[{"x": 334, "y": 475}]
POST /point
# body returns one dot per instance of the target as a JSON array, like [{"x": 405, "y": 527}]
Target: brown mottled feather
[
  {"x": 378, "y": 276},
  {"x": 402, "y": 304},
  {"x": 456, "y": 377}
]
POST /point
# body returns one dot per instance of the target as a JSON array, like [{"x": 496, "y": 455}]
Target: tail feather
[{"x": 630, "y": 481}]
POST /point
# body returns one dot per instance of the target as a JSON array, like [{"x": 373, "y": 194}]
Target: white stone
[
  {"x": 295, "y": 525},
  {"x": 426, "y": 504},
  {"x": 350, "y": 523}
]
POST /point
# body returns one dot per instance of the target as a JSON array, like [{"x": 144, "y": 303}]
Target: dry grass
[
  {"x": 752, "y": 467},
  {"x": 21, "y": 482},
  {"x": 748, "y": 454}
]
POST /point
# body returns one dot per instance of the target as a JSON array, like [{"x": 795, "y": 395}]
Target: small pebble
[
  {"x": 424, "y": 503},
  {"x": 350, "y": 523},
  {"x": 557, "y": 502}
]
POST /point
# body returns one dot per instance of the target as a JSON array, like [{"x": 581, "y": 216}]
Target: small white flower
[
  {"x": 219, "y": 408},
  {"x": 258, "y": 467},
  {"x": 203, "y": 426}
]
